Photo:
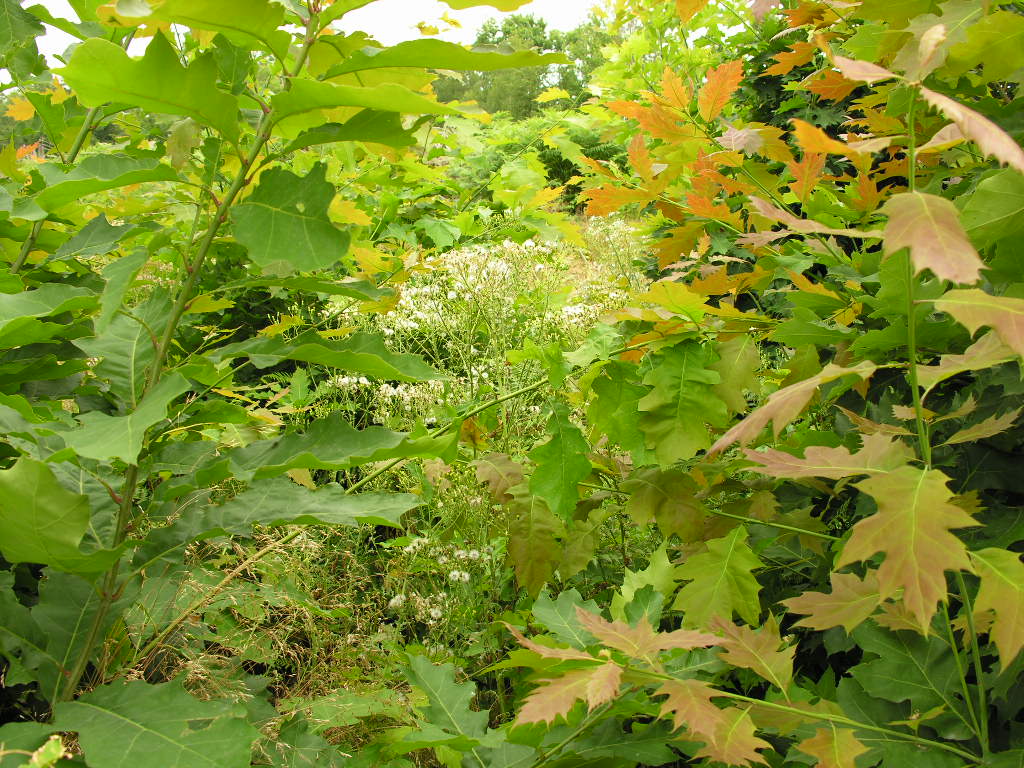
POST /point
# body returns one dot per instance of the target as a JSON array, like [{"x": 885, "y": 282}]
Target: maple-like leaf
[
  {"x": 1002, "y": 592},
  {"x": 687, "y": 9},
  {"x": 833, "y": 86},
  {"x": 974, "y": 308},
  {"x": 689, "y": 703},
  {"x": 833, "y": 747},
  {"x": 667, "y": 497},
  {"x": 809, "y": 226},
  {"x": 739, "y": 359},
  {"x": 990, "y": 138},
  {"x": 608, "y": 199},
  {"x": 929, "y": 226},
  {"x": 786, "y": 404},
  {"x": 548, "y": 652},
  {"x": 722, "y": 582},
  {"x": 807, "y": 174},
  {"x": 851, "y": 601},
  {"x": 760, "y": 650},
  {"x": 879, "y": 453},
  {"x": 987, "y": 351},
  {"x": 863, "y": 71},
  {"x": 735, "y": 742},
  {"x": 796, "y": 55},
  {"x": 641, "y": 641},
  {"x": 500, "y": 473},
  {"x": 993, "y": 425},
  {"x": 533, "y": 549},
  {"x": 554, "y": 698},
  {"x": 721, "y": 84},
  {"x": 912, "y": 528}
]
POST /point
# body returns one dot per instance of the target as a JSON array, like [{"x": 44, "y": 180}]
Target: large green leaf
[
  {"x": 98, "y": 173},
  {"x": 102, "y": 437},
  {"x": 97, "y": 238},
  {"x": 533, "y": 548},
  {"x": 119, "y": 275},
  {"x": 42, "y": 522},
  {"x": 996, "y": 208},
  {"x": 438, "y": 54},
  {"x": 16, "y": 739},
  {"x": 101, "y": 72},
  {"x": 22, "y": 641},
  {"x": 561, "y": 617},
  {"x": 330, "y": 443},
  {"x": 676, "y": 412},
  {"x": 284, "y": 222},
  {"x": 17, "y": 27},
  {"x": 157, "y": 726},
  {"x": 449, "y": 702},
  {"x": 360, "y": 353},
  {"x": 18, "y": 311},
  {"x": 722, "y": 582},
  {"x": 562, "y": 464},
  {"x": 279, "y": 502},
  {"x": 367, "y": 125}
]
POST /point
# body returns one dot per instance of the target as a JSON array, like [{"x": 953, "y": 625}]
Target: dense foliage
[{"x": 314, "y": 405}]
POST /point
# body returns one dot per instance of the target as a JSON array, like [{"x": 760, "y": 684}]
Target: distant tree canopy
[{"x": 515, "y": 90}]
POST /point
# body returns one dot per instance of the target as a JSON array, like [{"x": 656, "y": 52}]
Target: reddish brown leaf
[
  {"x": 993, "y": 140},
  {"x": 850, "y": 603},
  {"x": 912, "y": 528},
  {"x": 783, "y": 406},
  {"x": 833, "y": 86},
  {"x": 760, "y": 650},
  {"x": 555, "y": 698},
  {"x": 641, "y": 641},
  {"x": 833, "y": 747},
  {"x": 795, "y": 56},
  {"x": 879, "y": 454},
  {"x": 929, "y": 226},
  {"x": 974, "y": 308},
  {"x": 721, "y": 84}
]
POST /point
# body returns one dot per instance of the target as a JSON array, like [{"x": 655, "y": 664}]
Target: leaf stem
[
  {"x": 968, "y": 609},
  {"x": 966, "y": 691}
]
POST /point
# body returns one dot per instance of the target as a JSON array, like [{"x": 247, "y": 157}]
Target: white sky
[{"x": 390, "y": 21}]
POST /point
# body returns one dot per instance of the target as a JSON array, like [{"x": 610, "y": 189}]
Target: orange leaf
[
  {"x": 687, "y": 9},
  {"x": 974, "y": 308},
  {"x": 783, "y": 406},
  {"x": 605, "y": 200},
  {"x": 758, "y": 650},
  {"x": 640, "y": 158},
  {"x": 796, "y": 56},
  {"x": 879, "y": 454},
  {"x": 929, "y": 226},
  {"x": 806, "y": 174},
  {"x": 813, "y": 139},
  {"x": 833, "y": 86},
  {"x": 554, "y": 698},
  {"x": 833, "y": 747},
  {"x": 674, "y": 90},
  {"x": 641, "y": 641},
  {"x": 912, "y": 528},
  {"x": 992, "y": 139},
  {"x": 20, "y": 109},
  {"x": 721, "y": 84},
  {"x": 805, "y": 13},
  {"x": 689, "y": 703},
  {"x": 26, "y": 150},
  {"x": 848, "y": 605}
]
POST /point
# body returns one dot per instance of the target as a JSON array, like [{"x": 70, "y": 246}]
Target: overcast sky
[{"x": 391, "y": 21}]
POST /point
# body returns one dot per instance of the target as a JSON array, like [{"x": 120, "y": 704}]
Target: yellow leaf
[
  {"x": 232, "y": 394},
  {"x": 207, "y": 303},
  {"x": 302, "y": 477},
  {"x": 21, "y": 109},
  {"x": 552, "y": 94},
  {"x": 427, "y": 29},
  {"x": 344, "y": 211},
  {"x": 848, "y": 605},
  {"x": 833, "y": 747},
  {"x": 285, "y": 323}
]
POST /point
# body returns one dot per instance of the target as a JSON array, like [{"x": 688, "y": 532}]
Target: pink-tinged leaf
[
  {"x": 833, "y": 747},
  {"x": 863, "y": 71},
  {"x": 735, "y": 742},
  {"x": 929, "y": 226},
  {"x": 745, "y": 140},
  {"x": 986, "y": 352},
  {"x": 761, "y": 8},
  {"x": 850, "y": 603},
  {"x": 974, "y": 308},
  {"x": 993, "y": 425},
  {"x": 555, "y": 698},
  {"x": 879, "y": 454},
  {"x": 912, "y": 528},
  {"x": 785, "y": 405},
  {"x": 946, "y": 137},
  {"x": 641, "y": 641},
  {"x": 689, "y": 703},
  {"x": 993, "y": 140},
  {"x": 1002, "y": 592},
  {"x": 760, "y": 650},
  {"x": 565, "y": 654},
  {"x": 807, "y": 226},
  {"x": 721, "y": 84}
]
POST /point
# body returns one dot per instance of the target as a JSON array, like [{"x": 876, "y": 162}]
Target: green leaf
[
  {"x": 19, "y": 738},
  {"x": 101, "y": 72},
  {"x": 996, "y": 41},
  {"x": 284, "y": 222},
  {"x": 562, "y": 464},
  {"x": 682, "y": 402},
  {"x": 562, "y": 619},
  {"x": 737, "y": 364},
  {"x": 18, "y": 310},
  {"x": 532, "y": 547},
  {"x": 722, "y": 582},
  {"x": 16, "y": 27},
  {"x": 438, "y": 54},
  {"x": 449, "y": 702},
  {"x": 614, "y": 409},
  {"x": 22, "y": 641},
  {"x": 996, "y": 208},
  {"x": 119, "y": 274},
  {"x": 360, "y": 353},
  {"x": 41, "y": 522},
  {"x": 279, "y": 502},
  {"x": 97, "y": 238},
  {"x": 102, "y": 437},
  {"x": 253, "y": 23},
  {"x": 98, "y": 173},
  {"x": 330, "y": 443},
  {"x": 157, "y": 726},
  {"x": 367, "y": 125},
  {"x": 354, "y": 289},
  {"x": 667, "y": 497}
]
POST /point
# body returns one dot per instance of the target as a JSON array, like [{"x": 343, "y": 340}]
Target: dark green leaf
[
  {"x": 562, "y": 464},
  {"x": 368, "y": 125}
]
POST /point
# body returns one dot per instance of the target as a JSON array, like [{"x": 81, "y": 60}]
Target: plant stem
[
  {"x": 976, "y": 659},
  {"x": 923, "y": 443},
  {"x": 960, "y": 673}
]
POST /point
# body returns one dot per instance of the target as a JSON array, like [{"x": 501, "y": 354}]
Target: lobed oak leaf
[
  {"x": 851, "y": 601},
  {"x": 986, "y": 352},
  {"x": 990, "y": 138},
  {"x": 760, "y": 650},
  {"x": 806, "y": 173},
  {"x": 929, "y": 226},
  {"x": 1002, "y": 593},
  {"x": 974, "y": 308},
  {"x": 878, "y": 454},
  {"x": 641, "y": 641},
  {"x": 735, "y": 742},
  {"x": 863, "y": 71},
  {"x": 833, "y": 86},
  {"x": 721, "y": 84},
  {"x": 687, "y": 9},
  {"x": 833, "y": 747},
  {"x": 547, "y": 652},
  {"x": 554, "y": 698},
  {"x": 912, "y": 529},
  {"x": 786, "y": 404},
  {"x": 674, "y": 90},
  {"x": 993, "y": 425},
  {"x": 796, "y": 55},
  {"x": 689, "y": 703},
  {"x": 722, "y": 581}
]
